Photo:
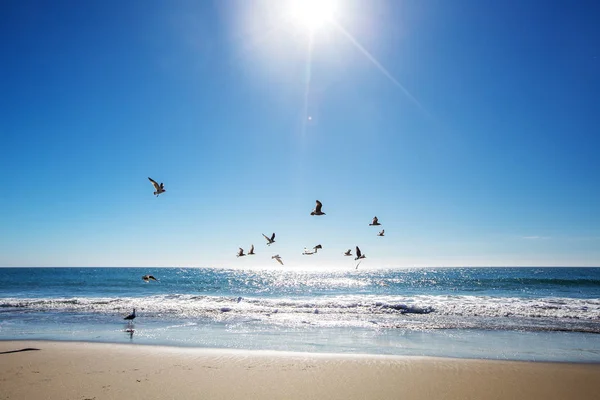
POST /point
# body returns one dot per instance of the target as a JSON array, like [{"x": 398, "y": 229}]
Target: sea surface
[{"x": 535, "y": 314}]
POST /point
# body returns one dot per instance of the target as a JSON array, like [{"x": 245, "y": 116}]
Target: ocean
[{"x": 534, "y": 314}]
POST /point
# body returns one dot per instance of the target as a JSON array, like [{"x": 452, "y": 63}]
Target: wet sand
[{"x": 74, "y": 370}]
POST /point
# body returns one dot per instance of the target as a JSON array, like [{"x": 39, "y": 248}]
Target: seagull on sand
[
  {"x": 271, "y": 239},
  {"x": 278, "y": 258},
  {"x": 348, "y": 252},
  {"x": 251, "y": 252},
  {"x": 131, "y": 316},
  {"x": 375, "y": 222},
  {"x": 240, "y": 253},
  {"x": 148, "y": 278},
  {"x": 359, "y": 255},
  {"x": 381, "y": 233},
  {"x": 317, "y": 210},
  {"x": 159, "y": 188}
]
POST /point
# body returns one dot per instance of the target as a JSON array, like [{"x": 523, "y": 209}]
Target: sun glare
[{"x": 313, "y": 13}]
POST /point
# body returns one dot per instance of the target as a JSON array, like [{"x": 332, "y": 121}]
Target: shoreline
[
  {"x": 282, "y": 353},
  {"x": 59, "y": 370}
]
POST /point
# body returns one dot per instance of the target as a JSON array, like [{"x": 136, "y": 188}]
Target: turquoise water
[{"x": 499, "y": 313}]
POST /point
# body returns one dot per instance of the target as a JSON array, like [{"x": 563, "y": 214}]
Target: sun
[{"x": 313, "y": 14}]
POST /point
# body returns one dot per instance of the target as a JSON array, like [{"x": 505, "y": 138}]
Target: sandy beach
[{"x": 74, "y": 370}]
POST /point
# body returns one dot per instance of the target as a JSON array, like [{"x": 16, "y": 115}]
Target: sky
[{"x": 469, "y": 128}]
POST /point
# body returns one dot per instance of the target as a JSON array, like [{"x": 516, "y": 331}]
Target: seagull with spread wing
[
  {"x": 148, "y": 278},
  {"x": 159, "y": 188},
  {"x": 240, "y": 252},
  {"x": 271, "y": 239},
  {"x": 359, "y": 255},
  {"x": 375, "y": 222},
  {"x": 381, "y": 233},
  {"x": 278, "y": 258},
  {"x": 314, "y": 250},
  {"x": 251, "y": 252},
  {"x": 317, "y": 210}
]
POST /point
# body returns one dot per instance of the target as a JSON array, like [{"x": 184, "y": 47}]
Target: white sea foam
[{"x": 191, "y": 306}]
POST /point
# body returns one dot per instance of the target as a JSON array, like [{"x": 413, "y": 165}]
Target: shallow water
[{"x": 500, "y": 313}]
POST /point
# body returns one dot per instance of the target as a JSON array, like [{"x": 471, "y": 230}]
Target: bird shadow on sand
[{"x": 18, "y": 351}]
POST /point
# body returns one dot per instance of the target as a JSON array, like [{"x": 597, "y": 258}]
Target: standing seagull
[
  {"x": 381, "y": 233},
  {"x": 375, "y": 222},
  {"x": 251, "y": 252},
  {"x": 278, "y": 258},
  {"x": 359, "y": 255},
  {"x": 348, "y": 252},
  {"x": 131, "y": 316},
  {"x": 159, "y": 188},
  {"x": 270, "y": 240},
  {"x": 317, "y": 210},
  {"x": 240, "y": 253}
]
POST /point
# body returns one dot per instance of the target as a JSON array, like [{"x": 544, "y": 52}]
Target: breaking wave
[{"x": 415, "y": 312}]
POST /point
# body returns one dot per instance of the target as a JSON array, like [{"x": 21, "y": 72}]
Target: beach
[{"x": 77, "y": 370}]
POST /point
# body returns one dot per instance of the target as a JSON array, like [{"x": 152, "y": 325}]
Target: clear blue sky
[{"x": 470, "y": 128}]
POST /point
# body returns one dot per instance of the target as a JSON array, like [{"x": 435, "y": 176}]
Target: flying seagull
[
  {"x": 159, "y": 188},
  {"x": 381, "y": 233},
  {"x": 375, "y": 222},
  {"x": 348, "y": 252},
  {"x": 131, "y": 316},
  {"x": 251, "y": 252},
  {"x": 278, "y": 258},
  {"x": 240, "y": 253},
  {"x": 315, "y": 250},
  {"x": 270, "y": 240},
  {"x": 148, "y": 278},
  {"x": 317, "y": 210},
  {"x": 306, "y": 252},
  {"x": 359, "y": 255}
]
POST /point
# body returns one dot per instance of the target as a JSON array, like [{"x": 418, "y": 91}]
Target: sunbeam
[
  {"x": 308, "y": 71},
  {"x": 378, "y": 65}
]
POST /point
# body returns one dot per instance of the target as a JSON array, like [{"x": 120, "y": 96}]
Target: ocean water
[{"x": 539, "y": 314}]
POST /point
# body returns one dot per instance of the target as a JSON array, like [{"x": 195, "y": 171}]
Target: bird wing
[
  {"x": 318, "y": 207},
  {"x": 266, "y": 237},
  {"x": 151, "y": 277},
  {"x": 375, "y": 220},
  {"x": 156, "y": 185},
  {"x": 240, "y": 251},
  {"x": 273, "y": 237},
  {"x": 252, "y": 249},
  {"x": 279, "y": 260},
  {"x": 358, "y": 253}
]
